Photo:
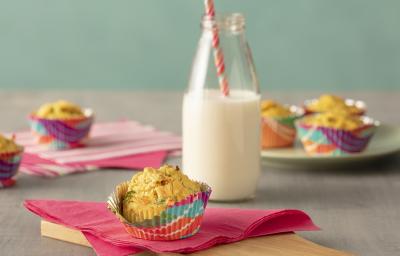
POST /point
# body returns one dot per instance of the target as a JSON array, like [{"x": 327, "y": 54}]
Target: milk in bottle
[{"x": 221, "y": 133}]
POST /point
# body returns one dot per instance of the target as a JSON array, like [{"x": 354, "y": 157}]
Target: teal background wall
[{"x": 149, "y": 44}]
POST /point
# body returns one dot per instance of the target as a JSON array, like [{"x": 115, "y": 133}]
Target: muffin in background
[
  {"x": 160, "y": 204},
  {"x": 329, "y": 102},
  {"x": 61, "y": 124},
  {"x": 277, "y": 126},
  {"x": 61, "y": 109},
  {"x": 10, "y": 159},
  {"x": 335, "y": 133}
]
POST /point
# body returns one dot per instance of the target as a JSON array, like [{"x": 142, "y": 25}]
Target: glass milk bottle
[{"x": 221, "y": 133}]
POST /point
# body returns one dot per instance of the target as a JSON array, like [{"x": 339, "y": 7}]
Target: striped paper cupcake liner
[
  {"x": 61, "y": 134},
  {"x": 279, "y": 132},
  {"x": 9, "y": 165},
  {"x": 319, "y": 140},
  {"x": 178, "y": 221}
]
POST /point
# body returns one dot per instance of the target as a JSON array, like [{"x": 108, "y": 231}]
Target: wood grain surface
[
  {"x": 357, "y": 206},
  {"x": 274, "y": 245}
]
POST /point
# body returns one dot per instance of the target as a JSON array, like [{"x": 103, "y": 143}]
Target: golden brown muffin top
[
  {"x": 8, "y": 145},
  {"x": 270, "y": 108},
  {"x": 153, "y": 190},
  {"x": 338, "y": 119},
  {"x": 60, "y": 110},
  {"x": 329, "y": 102}
]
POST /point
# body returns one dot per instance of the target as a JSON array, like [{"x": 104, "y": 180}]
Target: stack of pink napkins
[
  {"x": 123, "y": 144},
  {"x": 220, "y": 226}
]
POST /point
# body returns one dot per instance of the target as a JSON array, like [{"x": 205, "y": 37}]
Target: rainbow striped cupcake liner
[
  {"x": 280, "y": 132},
  {"x": 318, "y": 140},
  {"x": 61, "y": 134},
  {"x": 9, "y": 165},
  {"x": 181, "y": 220}
]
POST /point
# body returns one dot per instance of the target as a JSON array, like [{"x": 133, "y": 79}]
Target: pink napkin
[
  {"x": 121, "y": 144},
  {"x": 35, "y": 165},
  {"x": 220, "y": 225},
  {"x": 107, "y": 140}
]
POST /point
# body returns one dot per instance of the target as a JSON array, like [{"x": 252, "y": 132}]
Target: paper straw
[{"x": 218, "y": 54}]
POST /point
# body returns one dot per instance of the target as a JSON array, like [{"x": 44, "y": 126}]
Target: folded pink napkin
[
  {"x": 220, "y": 225},
  {"x": 36, "y": 165},
  {"x": 121, "y": 144},
  {"x": 107, "y": 140}
]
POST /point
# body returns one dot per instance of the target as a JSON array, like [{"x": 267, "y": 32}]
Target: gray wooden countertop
[{"x": 358, "y": 206}]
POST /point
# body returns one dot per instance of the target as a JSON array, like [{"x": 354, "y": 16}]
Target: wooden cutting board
[{"x": 289, "y": 244}]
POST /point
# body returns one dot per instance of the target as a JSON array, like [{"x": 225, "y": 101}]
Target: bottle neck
[
  {"x": 223, "y": 55},
  {"x": 233, "y": 23}
]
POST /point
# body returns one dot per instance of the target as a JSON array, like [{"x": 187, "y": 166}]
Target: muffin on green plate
[
  {"x": 277, "y": 125},
  {"x": 335, "y": 133}
]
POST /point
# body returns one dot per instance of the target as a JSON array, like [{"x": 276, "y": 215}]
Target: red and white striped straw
[{"x": 218, "y": 54}]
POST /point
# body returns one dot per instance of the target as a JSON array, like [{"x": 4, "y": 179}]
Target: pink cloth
[
  {"x": 129, "y": 162},
  {"x": 107, "y": 140},
  {"x": 35, "y": 165},
  {"x": 221, "y": 225},
  {"x": 122, "y": 144}
]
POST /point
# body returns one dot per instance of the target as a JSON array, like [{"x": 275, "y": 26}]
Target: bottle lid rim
[{"x": 228, "y": 21}]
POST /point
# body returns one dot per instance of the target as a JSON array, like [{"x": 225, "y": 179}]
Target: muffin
[
  {"x": 329, "y": 102},
  {"x": 61, "y": 124},
  {"x": 277, "y": 128},
  {"x": 335, "y": 133},
  {"x": 160, "y": 204},
  {"x": 10, "y": 159}
]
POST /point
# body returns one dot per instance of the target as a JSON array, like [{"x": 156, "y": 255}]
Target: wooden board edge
[
  {"x": 292, "y": 240},
  {"x": 285, "y": 244},
  {"x": 62, "y": 233}
]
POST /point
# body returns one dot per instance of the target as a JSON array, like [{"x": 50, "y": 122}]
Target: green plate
[{"x": 386, "y": 141}]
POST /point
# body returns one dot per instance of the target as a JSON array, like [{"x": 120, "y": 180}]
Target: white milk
[{"x": 221, "y": 142}]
